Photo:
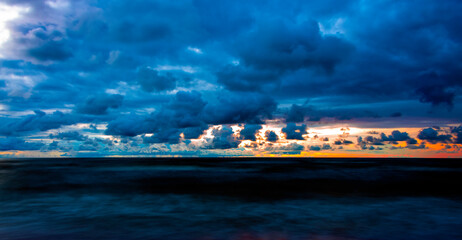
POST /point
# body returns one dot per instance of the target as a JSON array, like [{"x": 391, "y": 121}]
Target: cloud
[
  {"x": 315, "y": 148},
  {"x": 296, "y": 114},
  {"x": 189, "y": 114},
  {"x": 285, "y": 45},
  {"x": 223, "y": 138},
  {"x": 129, "y": 125},
  {"x": 292, "y": 131},
  {"x": 52, "y": 50},
  {"x": 291, "y": 148},
  {"x": 326, "y": 146},
  {"x": 99, "y": 105},
  {"x": 271, "y": 136},
  {"x": 13, "y": 143},
  {"x": 458, "y": 134},
  {"x": 132, "y": 32},
  {"x": 395, "y": 136},
  {"x": 239, "y": 108},
  {"x": 72, "y": 135},
  {"x": 89, "y": 145},
  {"x": 194, "y": 132},
  {"x": 413, "y": 146},
  {"x": 436, "y": 95},
  {"x": 343, "y": 142},
  {"x": 127, "y": 65},
  {"x": 170, "y": 135},
  {"x": 280, "y": 47},
  {"x": 40, "y": 121},
  {"x": 150, "y": 80},
  {"x": 53, "y": 146},
  {"x": 184, "y": 113},
  {"x": 431, "y": 135},
  {"x": 247, "y": 79},
  {"x": 249, "y": 131}
]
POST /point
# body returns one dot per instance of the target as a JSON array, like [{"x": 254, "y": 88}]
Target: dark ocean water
[{"x": 238, "y": 198}]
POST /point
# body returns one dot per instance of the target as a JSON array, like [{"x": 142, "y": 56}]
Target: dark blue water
[{"x": 230, "y": 199}]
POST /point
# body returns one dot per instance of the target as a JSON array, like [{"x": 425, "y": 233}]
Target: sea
[{"x": 230, "y": 198}]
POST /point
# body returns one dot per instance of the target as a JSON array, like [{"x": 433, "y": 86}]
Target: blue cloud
[
  {"x": 98, "y": 105},
  {"x": 13, "y": 143},
  {"x": 433, "y": 136},
  {"x": 292, "y": 131},
  {"x": 127, "y": 65},
  {"x": 271, "y": 136},
  {"x": 249, "y": 131}
]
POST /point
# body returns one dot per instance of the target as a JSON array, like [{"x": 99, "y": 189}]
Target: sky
[{"x": 330, "y": 78}]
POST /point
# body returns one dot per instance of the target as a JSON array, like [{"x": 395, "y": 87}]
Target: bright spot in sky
[
  {"x": 196, "y": 50},
  {"x": 332, "y": 27},
  {"x": 187, "y": 69},
  {"x": 3, "y": 107},
  {"x": 58, "y": 4},
  {"x": 113, "y": 56},
  {"x": 337, "y": 131},
  {"x": 8, "y": 13}
]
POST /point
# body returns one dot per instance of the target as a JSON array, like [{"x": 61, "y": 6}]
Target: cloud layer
[{"x": 199, "y": 75}]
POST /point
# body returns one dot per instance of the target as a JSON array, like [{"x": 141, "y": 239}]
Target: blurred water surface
[{"x": 238, "y": 198}]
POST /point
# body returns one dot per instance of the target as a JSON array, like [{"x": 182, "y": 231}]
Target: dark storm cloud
[
  {"x": 433, "y": 136},
  {"x": 73, "y": 135},
  {"x": 194, "y": 132},
  {"x": 271, "y": 136},
  {"x": 248, "y": 79},
  {"x": 40, "y": 121},
  {"x": 413, "y": 66},
  {"x": 249, "y": 131},
  {"x": 315, "y": 148},
  {"x": 280, "y": 47},
  {"x": 186, "y": 108},
  {"x": 325, "y": 146},
  {"x": 296, "y": 114},
  {"x": 395, "y": 136},
  {"x": 458, "y": 134},
  {"x": 99, "y": 105},
  {"x": 342, "y": 142},
  {"x": 129, "y": 125},
  {"x": 240, "y": 108},
  {"x": 436, "y": 95},
  {"x": 89, "y": 145},
  {"x": 189, "y": 114},
  {"x": 286, "y": 45},
  {"x": 309, "y": 112},
  {"x": 344, "y": 59},
  {"x": 13, "y": 143},
  {"x": 42, "y": 42},
  {"x": 132, "y": 32},
  {"x": 150, "y": 80},
  {"x": 53, "y": 146},
  {"x": 292, "y": 131},
  {"x": 370, "y": 140},
  {"x": 169, "y": 135},
  {"x": 223, "y": 138},
  {"x": 53, "y": 50}
]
